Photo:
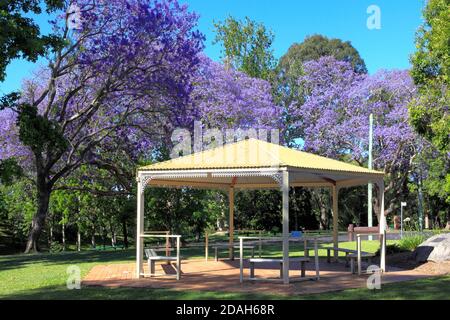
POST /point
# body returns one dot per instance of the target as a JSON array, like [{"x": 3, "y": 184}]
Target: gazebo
[{"x": 256, "y": 164}]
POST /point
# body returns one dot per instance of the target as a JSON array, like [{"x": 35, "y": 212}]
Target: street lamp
[{"x": 402, "y": 204}]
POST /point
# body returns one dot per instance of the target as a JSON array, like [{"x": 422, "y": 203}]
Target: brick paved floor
[{"x": 224, "y": 276}]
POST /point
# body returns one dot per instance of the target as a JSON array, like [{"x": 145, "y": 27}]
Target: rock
[{"x": 436, "y": 249}]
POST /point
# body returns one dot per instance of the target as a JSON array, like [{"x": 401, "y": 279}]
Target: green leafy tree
[
  {"x": 247, "y": 46},
  {"x": 431, "y": 72},
  {"x": 258, "y": 210},
  {"x": 93, "y": 203},
  {"x": 9, "y": 170},
  {"x": 429, "y": 113},
  {"x": 433, "y": 169},
  {"x": 20, "y": 36},
  {"x": 18, "y": 202}
]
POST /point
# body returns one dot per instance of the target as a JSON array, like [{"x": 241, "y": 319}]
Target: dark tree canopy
[
  {"x": 9, "y": 169},
  {"x": 20, "y": 36},
  {"x": 316, "y": 46}
]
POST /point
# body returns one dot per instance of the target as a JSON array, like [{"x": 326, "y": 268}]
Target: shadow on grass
[
  {"x": 24, "y": 260},
  {"x": 124, "y": 293},
  {"x": 437, "y": 288}
]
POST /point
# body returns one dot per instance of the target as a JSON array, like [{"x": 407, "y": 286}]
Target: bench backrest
[
  {"x": 364, "y": 229},
  {"x": 150, "y": 253}
]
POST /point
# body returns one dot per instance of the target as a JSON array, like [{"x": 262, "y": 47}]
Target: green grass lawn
[{"x": 43, "y": 276}]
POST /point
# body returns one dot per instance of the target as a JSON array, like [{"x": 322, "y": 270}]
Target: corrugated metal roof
[{"x": 253, "y": 153}]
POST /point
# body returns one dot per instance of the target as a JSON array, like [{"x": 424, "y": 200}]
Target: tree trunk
[
  {"x": 323, "y": 218},
  {"x": 125, "y": 234},
  {"x": 113, "y": 234},
  {"x": 38, "y": 221},
  {"x": 113, "y": 239},
  {"x": 296, "y": 212},
  {"x": 93, "y": 238},
  {"x": 64, "y": 236},
  {"x": 78, "y": 240},
  {"x": 50, "y": 237},
  {"x": 320, "y": 198},
  {"x": 388, "y": 207}
]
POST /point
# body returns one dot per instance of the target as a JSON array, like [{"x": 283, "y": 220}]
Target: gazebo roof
[
  {"x": 257, "y": 155},
  {"x": 254, "y": 153}
]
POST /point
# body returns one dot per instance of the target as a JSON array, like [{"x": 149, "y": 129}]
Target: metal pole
[
  {"x": 401, "y": 221},
  {"x": 316, "y": 258},
  {"x": 358, "y": 249},
  {"x": 167, "y": 246},
  {"x": 231, "y": 223},
  {"x": 241, "y": 261},
  {"x": 420, "y": 200},
  {"x": 382, "y": 227},
  {"x": 140, "y": 227},
  {"x": 420, "y": 203},
  {"x": 285, "y": 210},
  {"x": 335, "y": 192},
  {"x": 370, "y": 186},
  {"x": 260, "y": 244},
  {"x": 178, "y": 258},
  {"x": 206, "y": 246}
]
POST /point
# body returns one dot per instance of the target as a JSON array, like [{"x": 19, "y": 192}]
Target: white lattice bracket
[
  {"x": 142, "y": 182},
  {"x": 277, "y": 176}
]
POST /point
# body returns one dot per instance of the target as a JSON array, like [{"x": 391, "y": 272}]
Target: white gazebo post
[
  {"x": 285, "y": 191},
  {"x": 382, "y": 224},
  {"x": 231, "y": 222},
  {"x": 335, "y": 195},
  {"x": 139, "y": 226}
]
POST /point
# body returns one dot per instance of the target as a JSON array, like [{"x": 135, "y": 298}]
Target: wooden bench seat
[
  {"x": 301, "y": 260},
  {"x": 152, "y": 257}
]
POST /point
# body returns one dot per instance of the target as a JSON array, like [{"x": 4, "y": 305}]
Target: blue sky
[{"x": 292, "y": 20}]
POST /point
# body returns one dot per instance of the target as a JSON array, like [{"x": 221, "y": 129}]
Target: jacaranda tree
[
  {"x": 225, "y": 98},
  {"x": 335, "y": 119},
  {"x": 124, "y": 66}
]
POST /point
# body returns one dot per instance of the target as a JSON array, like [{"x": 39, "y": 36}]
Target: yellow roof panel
[{"x": 253, "y": 153}]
